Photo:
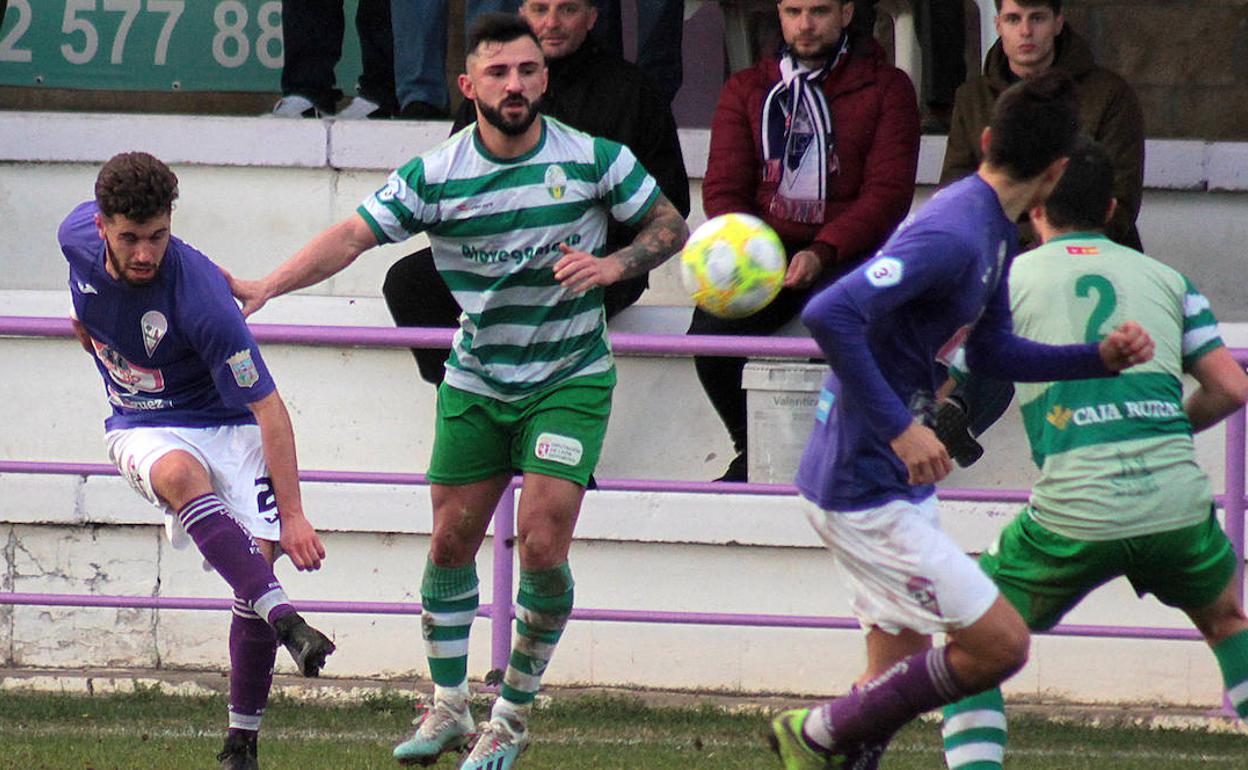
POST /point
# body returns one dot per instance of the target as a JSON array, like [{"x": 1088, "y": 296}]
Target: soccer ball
[{"x": 733, "y": 265}]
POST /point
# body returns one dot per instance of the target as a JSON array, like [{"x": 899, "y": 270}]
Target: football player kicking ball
[
  {"x": 870, "y": 466},
  {"x": 1120, "y": 492},
  {"x": 197, "y": 428}
]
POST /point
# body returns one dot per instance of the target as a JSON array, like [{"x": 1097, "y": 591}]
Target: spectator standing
[
  {"x": 594, "y": 91},
  {"x": 312, "y": 32},
  {"x": 1034, "y": 37},
  {"x": 660, "y": 34},
  {"x": 420, "y": 41},
  {"x": 822, "y": 144}
]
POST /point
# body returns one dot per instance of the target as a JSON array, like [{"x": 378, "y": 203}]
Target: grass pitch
[{"x": 154, "y": 731}]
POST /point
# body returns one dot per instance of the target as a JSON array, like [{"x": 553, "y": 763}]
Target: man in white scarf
[{"x": 820, "y": 141}]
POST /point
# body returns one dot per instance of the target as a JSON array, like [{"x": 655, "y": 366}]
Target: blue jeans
[
  {"x": 420, "y": 30},
  {"x": 660, "y": 33}
]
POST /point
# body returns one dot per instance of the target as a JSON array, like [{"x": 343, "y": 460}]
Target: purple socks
[
  {"x": 872, "y": 713},
  {"x": 253, "y": 648},
  {"x": 234, "y": 555}
]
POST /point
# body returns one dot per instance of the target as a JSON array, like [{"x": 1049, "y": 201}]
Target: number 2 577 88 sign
[{"x": 152, "y": 45}]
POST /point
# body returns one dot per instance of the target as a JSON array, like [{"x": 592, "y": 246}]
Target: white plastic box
[{"x": 780, "y": 408}]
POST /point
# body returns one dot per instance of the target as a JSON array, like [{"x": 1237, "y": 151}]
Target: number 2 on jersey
[{"x": 1106, "y": 303}]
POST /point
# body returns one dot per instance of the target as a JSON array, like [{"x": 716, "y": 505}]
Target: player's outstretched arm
[
  {"x": 661, "y": 233},
  {"x": 1127, "y": 346},
  {"x": 299, "y": 539},
  {"x": 325, "y": 255},
  {"x": 1223, "y": 389}
]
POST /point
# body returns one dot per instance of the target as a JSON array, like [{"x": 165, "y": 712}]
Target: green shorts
[
  {"x": 557, "y": 432},
  {"x": 1044, "y": 574}
]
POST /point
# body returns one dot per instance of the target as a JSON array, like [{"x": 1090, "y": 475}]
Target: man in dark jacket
[
  {"x": 822, "y": 144},
  {"x": 593, "y": 91},
  {"x": 1035, "y": 38}
]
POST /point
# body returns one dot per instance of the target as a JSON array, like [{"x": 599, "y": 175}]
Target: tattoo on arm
[{"x": 662, "y": 232}]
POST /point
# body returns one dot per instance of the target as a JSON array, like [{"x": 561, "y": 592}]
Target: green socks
[
  {"x": 543, "y": 605},
  {"x": 449, "y": 598},
  {"x": 974, "y": 732}
]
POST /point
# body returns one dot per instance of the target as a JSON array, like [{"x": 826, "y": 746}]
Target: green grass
[{"x": 154, "y": 731}]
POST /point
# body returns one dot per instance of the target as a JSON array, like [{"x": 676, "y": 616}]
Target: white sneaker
[
  {"x": 358, "y": 109},
  {"x": 498, "y": 747},
  {"x": 295, "y": 106},
  {"x": 439, "y": 729}
]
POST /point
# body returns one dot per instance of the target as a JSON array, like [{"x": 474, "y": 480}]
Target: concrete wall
[{"x": 252, "y": 192}]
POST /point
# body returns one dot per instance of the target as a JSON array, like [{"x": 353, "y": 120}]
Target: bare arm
[
  {"x": 662, "y": 232},
  {"x": 299, "y": 539},
  {"x": 1223, "y": 389},
  {"x": 326, "y": 254}
]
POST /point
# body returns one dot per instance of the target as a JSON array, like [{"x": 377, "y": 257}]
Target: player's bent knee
[{"x": 177, "y": 477}]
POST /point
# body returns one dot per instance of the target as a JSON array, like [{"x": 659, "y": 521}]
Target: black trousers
[
  {"x": 721, "y": 375},
  {"x": 312, "y": 33},
  {"x": 417, "y": 296}
]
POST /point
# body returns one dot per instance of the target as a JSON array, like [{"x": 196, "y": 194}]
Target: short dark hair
[
  {"x": 1033, "y": 124},
  {"x": 137, "y": 185},
  {"x": 498, "y": 28},
  {"x": 1056, "y": 5},
  {"x": 1081, "y": 199}
]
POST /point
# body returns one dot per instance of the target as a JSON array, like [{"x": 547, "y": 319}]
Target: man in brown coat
[{"x": 1035, "y": 38}]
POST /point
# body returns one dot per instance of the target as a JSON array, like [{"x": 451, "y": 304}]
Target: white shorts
[
  {"x": 904, "y": 571},
  {"x": 233, "y": 455}
]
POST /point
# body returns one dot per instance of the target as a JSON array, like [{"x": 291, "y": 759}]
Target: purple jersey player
[
  {"x": 198, "y": 428},
  {"x": 889, "y": 329}
]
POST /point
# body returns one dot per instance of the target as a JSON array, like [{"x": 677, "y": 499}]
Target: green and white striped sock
[
  {"x": 543, "y": 605},
  {"x": 974, "y": 732},
  {"x": 449, "y": 600},
  {"x": 1232, "y": 655}
]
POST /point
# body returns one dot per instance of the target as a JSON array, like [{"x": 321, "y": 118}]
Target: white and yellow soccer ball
[{"x": 733, "y": 265}]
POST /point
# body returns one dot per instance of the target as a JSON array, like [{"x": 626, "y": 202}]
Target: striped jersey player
[
  {"x": 1120, "y": 493},
  {"x": 516, "y": 209}
]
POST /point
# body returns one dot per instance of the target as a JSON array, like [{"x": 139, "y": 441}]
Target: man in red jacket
[{"x": 823, "y": 145}]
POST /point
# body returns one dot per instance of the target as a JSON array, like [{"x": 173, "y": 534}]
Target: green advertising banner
[{"x": 153, "y": 45}]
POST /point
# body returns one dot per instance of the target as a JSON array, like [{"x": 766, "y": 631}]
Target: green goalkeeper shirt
[{"x": 1115, "y": 454}]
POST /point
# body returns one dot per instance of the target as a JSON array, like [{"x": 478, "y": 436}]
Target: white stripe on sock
[
  {"x": 974, "y": 752},
  {"x": 266, "y": 604},
  {"x": 245, "y": 721},
  {"x": 447, "y": 648},
  {"x": 969, "y": 720},
  {"x": 518, "y": 680},
  {"x": 445, "y": 619},
  {"x": 536, "y": 620}
]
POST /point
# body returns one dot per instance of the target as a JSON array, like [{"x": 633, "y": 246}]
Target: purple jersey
[
  {"x": 174, "y": 353},
  {"x": 889, "y": 330}
]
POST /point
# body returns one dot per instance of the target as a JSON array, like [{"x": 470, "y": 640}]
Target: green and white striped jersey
[
  {"x": 495, "y": 225},
  {"x": 1115, "y": 454}
]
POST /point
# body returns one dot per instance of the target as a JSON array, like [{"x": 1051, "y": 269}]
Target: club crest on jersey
[
  {"x": 155, "y": 326},
  {"x": 243, "y": 368},
  {"x": 884, "y": 272},
  {"x": 556, "y": 181}
]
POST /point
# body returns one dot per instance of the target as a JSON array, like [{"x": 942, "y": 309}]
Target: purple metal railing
[{"x": 500, "y": 610}]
